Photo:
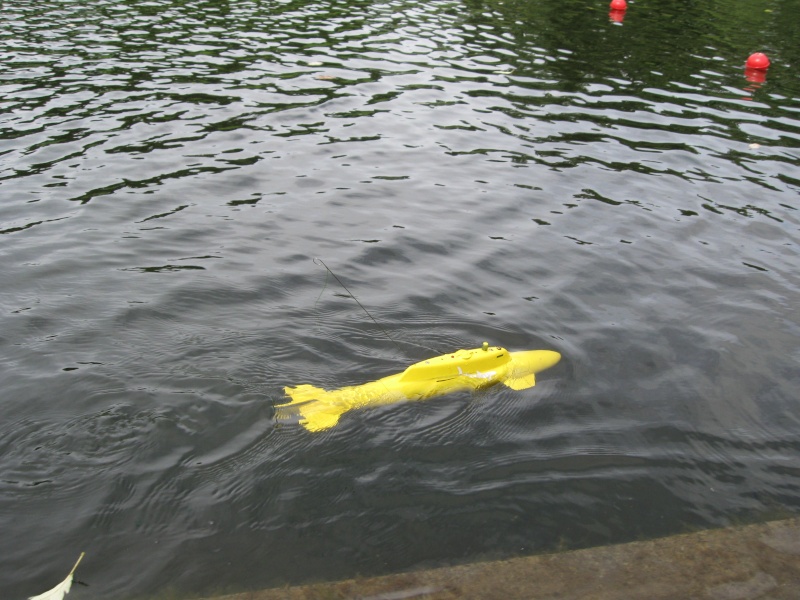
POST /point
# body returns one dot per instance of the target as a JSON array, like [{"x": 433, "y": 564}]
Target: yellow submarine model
[{"x": 462, "y": 370}]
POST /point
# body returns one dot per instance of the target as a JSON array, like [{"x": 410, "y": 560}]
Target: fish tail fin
[
  {"x": 304, "y": 393},
  {"x": 317, "y": 413}
]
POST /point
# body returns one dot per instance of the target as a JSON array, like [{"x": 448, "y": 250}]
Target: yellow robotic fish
[{"x": 462, "y": 370}]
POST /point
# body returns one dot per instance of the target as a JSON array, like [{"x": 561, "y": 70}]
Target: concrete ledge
[{"x": 738, "y": 563}]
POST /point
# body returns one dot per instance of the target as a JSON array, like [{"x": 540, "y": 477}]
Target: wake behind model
[{"x": 462, "y": 370}]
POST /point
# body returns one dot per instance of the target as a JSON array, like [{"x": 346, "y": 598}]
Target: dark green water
[{"x": 531, "y": 174}]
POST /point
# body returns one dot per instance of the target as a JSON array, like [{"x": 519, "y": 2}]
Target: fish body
[{"x": 474, "y": 369}]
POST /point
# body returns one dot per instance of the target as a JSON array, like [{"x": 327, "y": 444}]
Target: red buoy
[
  {"x": 754, "y": 61},
  {"x": 618, "y": 16},
  {"x": 618, "y": 5}
]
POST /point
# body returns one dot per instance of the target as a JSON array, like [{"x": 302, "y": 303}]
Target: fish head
[{"x": 523, "y": 367}]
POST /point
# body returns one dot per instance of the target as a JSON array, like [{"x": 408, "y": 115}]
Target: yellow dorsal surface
[{"x": 460, "y": 362}]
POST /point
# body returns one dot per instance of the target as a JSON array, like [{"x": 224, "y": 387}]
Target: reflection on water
[{"x": 535, "y": 175}]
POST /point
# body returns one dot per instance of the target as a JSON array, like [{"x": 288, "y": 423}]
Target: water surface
[{"x": 531, "y": 174}]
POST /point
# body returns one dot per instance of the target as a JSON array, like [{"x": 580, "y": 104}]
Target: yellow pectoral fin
[{"x": 521, "y": 383}]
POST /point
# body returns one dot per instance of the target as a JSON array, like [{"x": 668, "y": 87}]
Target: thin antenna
[{"x": 319, "y": 261}]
